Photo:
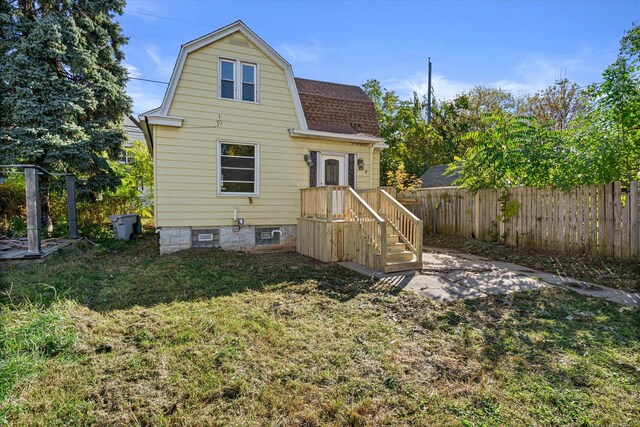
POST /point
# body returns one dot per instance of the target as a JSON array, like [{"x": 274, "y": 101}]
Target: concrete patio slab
[
  {"x": 441, "y": 289},
  {"x": 495, "y": 281},
  {"x": 452, "y": 276}
]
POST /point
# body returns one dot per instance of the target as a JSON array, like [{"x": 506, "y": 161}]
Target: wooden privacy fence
[{"x": 601, "y": 220}]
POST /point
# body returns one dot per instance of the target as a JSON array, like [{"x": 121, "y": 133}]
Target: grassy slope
[
  {"x": 623, "y": 275},
  {"x": 233, "y": 339}
]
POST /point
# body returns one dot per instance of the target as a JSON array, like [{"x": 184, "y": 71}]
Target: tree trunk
[{"x": 45, "y": 206}]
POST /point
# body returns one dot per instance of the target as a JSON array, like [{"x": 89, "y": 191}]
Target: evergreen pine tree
[{"x": 62, "y": 89}]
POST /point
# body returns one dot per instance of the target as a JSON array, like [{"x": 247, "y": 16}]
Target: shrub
[
  {"x": 12, "y": 205},
  {"x": 402, "y": 180},
  {"x": 134, "y": 195}
]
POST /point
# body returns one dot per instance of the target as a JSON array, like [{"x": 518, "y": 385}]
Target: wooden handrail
[
  {"x": 399, "y": 205},
  {"x": 390, "y": 190},
  {"x": 367, "y": 224},
  {"x": 365, "y": 205},
  {"x": 406, "y": 224}
]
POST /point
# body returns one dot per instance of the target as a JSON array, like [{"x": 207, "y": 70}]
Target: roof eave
[
  {"x": 214, "y": 36},
  {"x": 334, "y": 136}
]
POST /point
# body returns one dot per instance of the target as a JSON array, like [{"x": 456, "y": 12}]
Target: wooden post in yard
[{"x": 32, "y": 190}]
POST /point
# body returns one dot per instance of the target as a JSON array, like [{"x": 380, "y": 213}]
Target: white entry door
[
  {"x": 333, "y": 172},
  {"x": 332, "y": 169}
]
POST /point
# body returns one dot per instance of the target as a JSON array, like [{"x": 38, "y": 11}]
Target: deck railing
[
  {"x": 371, "y": 224},
  {"x": 407, "y": 225},
  {"x": 363, "y": 236},
  {"x": 323, "y": 202},
  {"x": 366, "y": 216},
  {"x": 371, "y": 197}
]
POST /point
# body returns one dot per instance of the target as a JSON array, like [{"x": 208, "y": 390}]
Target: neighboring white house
[{"x": 134, "y": 133}]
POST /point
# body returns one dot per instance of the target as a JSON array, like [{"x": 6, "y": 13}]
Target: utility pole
[{"x": 429, "y": 95}]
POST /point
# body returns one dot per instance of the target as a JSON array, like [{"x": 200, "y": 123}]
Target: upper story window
[{"x": 238, "y": 80}]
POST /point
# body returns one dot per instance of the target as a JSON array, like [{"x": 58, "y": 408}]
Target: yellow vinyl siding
[
  {"x": 185, "y": 158},
  {"x": 376, "y": 168}
]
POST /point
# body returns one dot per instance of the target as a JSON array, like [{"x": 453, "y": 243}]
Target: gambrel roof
[
  {"x": 323, "y": 109},
  {"x": 333, "y": 107}
]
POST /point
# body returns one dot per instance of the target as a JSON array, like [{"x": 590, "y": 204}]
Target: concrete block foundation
[{"x": 242, "y": 238}]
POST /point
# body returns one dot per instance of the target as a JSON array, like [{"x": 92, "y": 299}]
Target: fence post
[
  {"x": 32, "y": 190},
  {"x": 72, "y": 219},
  {"x": 635, "y": 229},
  {"x": 476, "y": 226}
]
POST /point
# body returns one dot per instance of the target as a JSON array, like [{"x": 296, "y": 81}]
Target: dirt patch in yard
[{"x": 615, "y": 274}]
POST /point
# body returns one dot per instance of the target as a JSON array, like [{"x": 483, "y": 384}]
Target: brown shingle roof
[{"x": 333, "y": 107}]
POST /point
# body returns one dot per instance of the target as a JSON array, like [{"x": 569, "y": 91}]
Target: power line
[
  {"x": 148, "y": 80},
  {"x": 200, "y": 24},
  {"x": 135, "y": 12}
]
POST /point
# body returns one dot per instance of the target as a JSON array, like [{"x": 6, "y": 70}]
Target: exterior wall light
[
  {"x": 307, "y": 158},
  {"x": 360, "y": 164}
]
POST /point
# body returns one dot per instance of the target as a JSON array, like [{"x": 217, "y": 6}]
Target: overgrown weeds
[{"x": 32, "y": 335}]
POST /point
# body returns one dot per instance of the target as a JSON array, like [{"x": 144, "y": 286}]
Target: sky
[{"x": 523, "y": 46}]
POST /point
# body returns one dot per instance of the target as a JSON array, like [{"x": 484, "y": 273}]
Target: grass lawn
[
  {"x": 623, "y": 275},
  {"x": 117, "y": 335}
]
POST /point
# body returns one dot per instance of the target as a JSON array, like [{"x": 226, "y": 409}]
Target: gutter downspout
[
  {"x": 146, "y": 122},
  {"x": 155, "y": 184}
]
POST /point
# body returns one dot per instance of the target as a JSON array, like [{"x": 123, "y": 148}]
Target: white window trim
[
  {"x": 237, "y": 80},
  {"x": 256, "y": 181}
]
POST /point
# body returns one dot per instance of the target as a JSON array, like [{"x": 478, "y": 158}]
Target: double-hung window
[
  {"x": 237, "y": 169},
  {"x": 238, "y": 80}
]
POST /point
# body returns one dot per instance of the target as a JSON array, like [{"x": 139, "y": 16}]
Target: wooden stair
[
  {"x": 369, "y": 227},
  {"x": 398, "y": 256}
]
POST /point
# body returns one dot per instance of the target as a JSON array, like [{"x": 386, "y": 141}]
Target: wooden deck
[
  {"x": 21, "y": 254},
  {"x": 371, "y": 228}
]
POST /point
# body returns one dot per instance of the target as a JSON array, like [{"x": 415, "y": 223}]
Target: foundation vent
[
  {"x": 267, "y": 236},
  {"x": 205, "y": 238}
]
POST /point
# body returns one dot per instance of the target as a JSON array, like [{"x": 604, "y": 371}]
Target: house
[
  {"x": 436, "y": 176},
  {"x": 237, "y": 139},
  {"x": 134, "y": 133}
]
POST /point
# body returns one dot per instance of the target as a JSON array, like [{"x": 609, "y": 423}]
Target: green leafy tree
[
  {"x": 485, "y": 100},
  {"x": 413, "y": 144},
  {"x": 451, "y": 120},
  {"x": 133, "y": 195},
  {"x": 569, "y": 138},
  {"x": 63, "y": 89},
  {"x": 386, "y": 103},
  {"x": 136, "y": 189},
  {"x": 606, "y": 147},
  {"x": 509, "y": 151},
  {"x": 558, "y": 105}
]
